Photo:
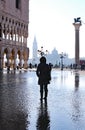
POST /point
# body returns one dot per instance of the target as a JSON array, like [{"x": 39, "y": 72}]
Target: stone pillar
[
  {"x": 15, "y": 35},
  {"x": 77, "y": 48},
  {"x": 25, "y": 63},
  {"x": 8, "y": 33},
  {"x": 14, "y": 67},
  {"x": 0, "y": 32},
  {"x": 20, "y": 62},
  {"x": 8, "y": 58},
  {"x": 1, "y": 63}
]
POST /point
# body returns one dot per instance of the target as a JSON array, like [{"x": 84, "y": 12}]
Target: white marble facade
[{"x": 14, "y": 19}]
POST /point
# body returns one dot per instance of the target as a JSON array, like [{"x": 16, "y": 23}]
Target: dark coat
[{"x": 43, "y": 73}]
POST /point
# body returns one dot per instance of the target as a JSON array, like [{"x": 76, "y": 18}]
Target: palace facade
[{"x": 14, "y": 19}]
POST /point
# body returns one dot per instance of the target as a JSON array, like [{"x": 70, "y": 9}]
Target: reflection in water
[
  {"x": 76, "y": 81},
  {"x": 76, "y": 113},
  {"x": 43, "y": 121},
  {"x": 63, "y": 77},
  {"x": 13, "y": 121},
  {"x": 13, "y": 115},
  {"x": 76, "y": 102}
]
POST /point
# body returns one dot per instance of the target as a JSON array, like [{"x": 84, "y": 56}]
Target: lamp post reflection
[{"x": 62, "y": 56}]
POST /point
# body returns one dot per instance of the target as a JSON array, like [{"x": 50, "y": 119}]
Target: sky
[{"x": 51, "y": 22}]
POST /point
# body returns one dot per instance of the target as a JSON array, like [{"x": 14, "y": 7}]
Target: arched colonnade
[
  {"x": 13, "y": 57},
  {"x": 13, "y": 42}
]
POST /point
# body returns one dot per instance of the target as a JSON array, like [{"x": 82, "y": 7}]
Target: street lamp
[
  {"x": 62, "y": 56},
  {"x": 41, "y": 52}
]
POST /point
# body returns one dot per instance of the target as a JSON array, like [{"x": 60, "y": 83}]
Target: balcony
[{"x": 11, "y": 42}]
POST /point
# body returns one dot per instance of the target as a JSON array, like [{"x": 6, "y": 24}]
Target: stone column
[
  {"x": 14, "y": 58},
  {"x": 8, "y": 58},
  {"x": 1, "y": 62},
  {"x": 15, "y": 34},
  {"x": 20, "y": 62},
  {"x": 25, "y": 63},
  {"x": 0, "y": 32},
  {"x": 77, "y": 48},
  {"x": 8, "y": 33},
  {"x": 14, "y": 65}
]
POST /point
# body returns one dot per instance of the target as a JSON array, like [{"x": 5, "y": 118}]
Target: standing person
[{"x": 44, "y": 76}]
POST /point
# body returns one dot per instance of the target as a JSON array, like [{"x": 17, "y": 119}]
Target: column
[
  {"x": 8, "y": 58},
  {"x": 21, "y": 57},
  {"x": 14, "y": 67},
  {"x": 1, "y": 62},
  {"x": 5, "y": 33},
  {"x": 15, "y": 31},
  {"x": 25, "y": 63},
  {"x": 77, "y": 25},
  {"x": 12, "y": 33},
  {"x": 8, "y": 33},
  {"x": 0, "y": 32}
]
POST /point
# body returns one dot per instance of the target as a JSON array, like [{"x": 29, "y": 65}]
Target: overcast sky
[{"x": 51, "y": 21}]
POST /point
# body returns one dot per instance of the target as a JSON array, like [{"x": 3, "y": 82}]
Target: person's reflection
[
  {"x": 43, "y": 121},
  {"x": 76, "y": 81}
]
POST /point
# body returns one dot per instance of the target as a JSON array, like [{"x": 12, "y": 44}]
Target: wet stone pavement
[{"x": 21, "y": 108}]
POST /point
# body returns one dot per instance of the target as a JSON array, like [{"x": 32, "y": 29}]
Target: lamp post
[
  {"x": 41, "y": 52},
  {"x": 62, "y": 56}
]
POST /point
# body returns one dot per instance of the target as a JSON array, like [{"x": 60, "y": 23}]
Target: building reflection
[
  {"x": 13, "y": 114},
  {"x": 43, "y": 121}
]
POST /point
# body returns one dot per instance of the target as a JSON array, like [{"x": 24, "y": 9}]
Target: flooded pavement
[{"x": 21, "y": 108}]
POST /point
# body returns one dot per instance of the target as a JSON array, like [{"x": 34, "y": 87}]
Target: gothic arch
[
  {"x": 13, "y": 32},
  {"x": 5, "y": 55}
]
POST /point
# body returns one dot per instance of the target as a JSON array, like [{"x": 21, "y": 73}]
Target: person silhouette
[{"x": 44, "y": 76}]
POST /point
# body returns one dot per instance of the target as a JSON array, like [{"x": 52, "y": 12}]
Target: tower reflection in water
[
  {"x": 76, "y": 102},
  {"x": 76, "y": 81},
  {"x": 43, "y": 121}
]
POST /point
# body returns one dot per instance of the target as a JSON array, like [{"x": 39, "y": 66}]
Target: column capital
[{"x": 77, "y": 25}]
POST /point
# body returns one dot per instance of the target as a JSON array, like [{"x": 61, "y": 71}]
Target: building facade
[{"x": 14, "y": 19}]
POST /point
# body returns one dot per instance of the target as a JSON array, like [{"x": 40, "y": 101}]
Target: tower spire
[{"x": 35, "y": 48}]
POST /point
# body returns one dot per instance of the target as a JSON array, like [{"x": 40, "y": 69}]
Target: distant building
[
  {"x": 35, "y": 51},
  {"x": 53, "y": 57}
]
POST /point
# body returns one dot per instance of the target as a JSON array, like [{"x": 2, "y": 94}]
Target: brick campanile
[{"x": 77, "y": 25}]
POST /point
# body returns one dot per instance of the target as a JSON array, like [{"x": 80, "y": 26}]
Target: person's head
[{"x": 42, "y": 59}]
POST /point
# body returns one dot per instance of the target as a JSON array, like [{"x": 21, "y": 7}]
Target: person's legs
[{"x": 41, "y": 91}]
